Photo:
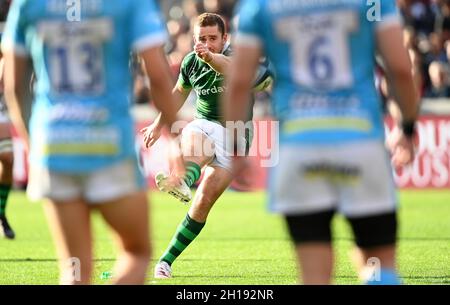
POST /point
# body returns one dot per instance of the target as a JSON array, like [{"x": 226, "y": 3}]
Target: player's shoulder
[
  {"x": 227, "y": 50},
  {"x": 21, "y": 4}
]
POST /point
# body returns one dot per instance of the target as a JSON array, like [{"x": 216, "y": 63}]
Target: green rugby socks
[
  {"x": 186, "y": 232},
  {"x": 193, "y": 172}
]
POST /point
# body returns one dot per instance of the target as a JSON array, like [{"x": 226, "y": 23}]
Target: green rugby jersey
[{"x": 208, "y": 85}]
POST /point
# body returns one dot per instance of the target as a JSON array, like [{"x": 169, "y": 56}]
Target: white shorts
[
  {"x": 355, "y": 179},
  {"x": 218, "y": 135},
  {"x": 98, "y": 187}
]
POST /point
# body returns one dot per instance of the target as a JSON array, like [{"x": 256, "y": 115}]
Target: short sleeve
[
  {"x": 389, "y": 14},
  {"x": 13, "y": 38},
  {"x": 249, "y": 18},
  {"x": 147, "y": 25}
]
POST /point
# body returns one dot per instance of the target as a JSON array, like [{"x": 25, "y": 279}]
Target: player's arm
[
  {"x": 16, "y": 82},
  {"x": 240, "y": 82},
  {"x": 160, "y": 77},
  {"x": 218, "y": 61},
  {"x": 152, "y": 132},
  {"x": 399, "y": 74},
  {"x": 399, "y": 71},
  {"x": 237, "y": 101},
  {"x": 2, "y": 72},
  {"x": 159, "y": 74},
  {"x": 180, "y": 95}
]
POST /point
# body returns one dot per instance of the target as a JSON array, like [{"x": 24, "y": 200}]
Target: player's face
[{"x": 211, "y": 37}]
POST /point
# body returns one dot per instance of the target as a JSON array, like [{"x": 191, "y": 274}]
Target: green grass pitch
[{"x": 241, "y": 243}]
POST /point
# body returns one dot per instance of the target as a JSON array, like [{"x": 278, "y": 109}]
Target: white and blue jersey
[
  {"x": 80, "y": 119},
  {"x": 323, "y": 53}
]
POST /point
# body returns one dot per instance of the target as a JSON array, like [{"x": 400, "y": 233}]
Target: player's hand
[
  {"x": 401, "y": 148},
  {"x": 203, "y": 52},
  {"x": 151, "y": 134}
]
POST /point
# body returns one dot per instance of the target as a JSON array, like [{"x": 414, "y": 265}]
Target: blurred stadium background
[{"x": 239, "y": 224}]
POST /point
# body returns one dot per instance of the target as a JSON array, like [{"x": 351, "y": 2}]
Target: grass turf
[{"x": 241, "y": 243}]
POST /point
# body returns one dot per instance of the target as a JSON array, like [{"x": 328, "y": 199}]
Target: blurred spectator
[
  {"x": 442, "y": 24},
  {"x": 427, "y": 37},
  {"x": 418, "y": 14},
  {"x": 427, "y": 34},
  {"x": 439, "y": 76}
]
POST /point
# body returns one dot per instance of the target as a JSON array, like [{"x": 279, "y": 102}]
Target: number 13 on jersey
[{"x": 75, "y": 55}]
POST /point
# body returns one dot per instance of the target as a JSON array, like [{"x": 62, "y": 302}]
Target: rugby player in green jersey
[{"x": 203, "y": 139}]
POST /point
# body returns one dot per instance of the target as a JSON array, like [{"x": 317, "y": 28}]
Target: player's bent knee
[
  {"x": 375, "y": 231},
  {"x": 314, "y": 227}
]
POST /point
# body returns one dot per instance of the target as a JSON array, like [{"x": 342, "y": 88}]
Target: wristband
[{"x": 409, "y": 128}]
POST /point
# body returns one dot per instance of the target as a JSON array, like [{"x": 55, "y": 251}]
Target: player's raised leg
[{"x": 196, "y": 156}]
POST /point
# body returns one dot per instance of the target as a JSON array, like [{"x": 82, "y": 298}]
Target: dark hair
[{"x": 211, "y": 19}]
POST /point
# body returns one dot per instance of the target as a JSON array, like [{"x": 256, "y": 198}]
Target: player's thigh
[
  {"x": 369, "y": 189},
  {"x": 69, "y": 223},
  {"x": 375, "y": 233},
  {"x": 297, "y": 185},
  {"x": 367, "y": 194},
  {"x": 311, "y": 227},
  {"x": 129, "y": 219},
  {"x": 196, "y": 142},
  {"x": 58, "y": 187},
  {"x": 119, "y": 193},
  {"x": 113, "y": 182},
  {"x": 225, "y": 147}
]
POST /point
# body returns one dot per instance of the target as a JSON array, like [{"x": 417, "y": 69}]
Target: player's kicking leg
[{"x": 198, "y": 150}]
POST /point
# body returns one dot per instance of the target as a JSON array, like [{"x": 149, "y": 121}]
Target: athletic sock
[
  {"x": 186, "y": 232},
  {"x": 4, "y": 192},
  {"x": 193, "y": 171}
]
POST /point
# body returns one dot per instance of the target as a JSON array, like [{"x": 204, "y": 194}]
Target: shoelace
[{"x": 163, "y": 272}]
